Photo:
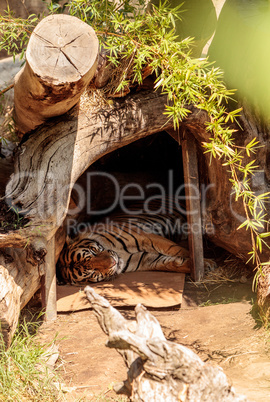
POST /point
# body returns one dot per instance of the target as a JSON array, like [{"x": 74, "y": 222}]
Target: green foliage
[
  {"x": 24, "y": 375},
  {"x": 15, "y": 32},
  {"x": 139, "y": 40},
  {"x": 18, "y": 221},
  {"x": 99, "y": 14},
  {"x": 229, "y": 300}
]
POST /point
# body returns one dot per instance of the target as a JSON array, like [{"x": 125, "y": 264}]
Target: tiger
[{"x": 125, "y": 243}]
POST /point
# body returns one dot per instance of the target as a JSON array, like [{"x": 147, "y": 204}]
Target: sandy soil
[{"x": 215, "y": 320}]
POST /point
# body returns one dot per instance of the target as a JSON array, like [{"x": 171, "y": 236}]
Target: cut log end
[
  {"x": 61, "y": 60},
  {"x": 67, "y": 46}
]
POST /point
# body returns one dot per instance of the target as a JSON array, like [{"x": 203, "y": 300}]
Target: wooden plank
[
  {"x": 192, "y": 193},
  {"x": 48, "y": 283}
]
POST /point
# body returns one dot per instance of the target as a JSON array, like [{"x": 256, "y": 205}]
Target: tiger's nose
[{"x": 103, "y": 261}]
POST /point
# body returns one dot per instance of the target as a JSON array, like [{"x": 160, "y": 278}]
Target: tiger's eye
[{"x": 94, "y": 249}]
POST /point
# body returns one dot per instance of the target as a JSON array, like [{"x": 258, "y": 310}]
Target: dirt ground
[{"x": 216, "y": 320}]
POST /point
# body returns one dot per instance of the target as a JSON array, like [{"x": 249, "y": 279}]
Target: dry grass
[
  {"x": 94, "y": 98},
  {"x": 229, "y": 269},
  {"x": 7, "y": 127}
]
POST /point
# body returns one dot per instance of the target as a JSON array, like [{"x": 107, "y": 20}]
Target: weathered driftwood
[
  {"x": 61, "y": 59},
  {"x": 158, "y": 370}
]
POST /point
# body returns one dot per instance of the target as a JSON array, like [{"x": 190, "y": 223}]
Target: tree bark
[
  {"x": 61, "y": 59},
  {"x": 158, "y": 370}
]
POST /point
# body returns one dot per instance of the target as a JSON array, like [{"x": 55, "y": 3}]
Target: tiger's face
[{"x": 87, "y": 260}]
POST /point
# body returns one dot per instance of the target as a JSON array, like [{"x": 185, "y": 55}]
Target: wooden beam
[
  {"x": 193, "y": 207},
  {"x": 48, "y": 283}
]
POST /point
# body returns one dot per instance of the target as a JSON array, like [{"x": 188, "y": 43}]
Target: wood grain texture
[
  {"x": 13, "y": 239},
  {"x": 49, "y": 161},
  {"x": 61, "y": 59},
  {"x": 62, "y": 49},
  {"x": 48, "y": 283}
]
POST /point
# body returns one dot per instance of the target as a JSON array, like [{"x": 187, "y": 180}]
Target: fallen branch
[{"x": 158, "y": 370}]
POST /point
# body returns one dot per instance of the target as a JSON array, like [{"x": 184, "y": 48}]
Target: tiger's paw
[
  {"x": 209, "y": 265},
  {"x": 179, "y": 264}
]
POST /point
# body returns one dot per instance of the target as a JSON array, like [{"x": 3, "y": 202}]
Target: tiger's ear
[{"x": 69, "y": 241}]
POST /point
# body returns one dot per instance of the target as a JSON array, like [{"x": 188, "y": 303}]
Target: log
[
  {"x": 50, "y": 160},
  {"x": 20, "y": 276},
  {"x": 158, "y": 370},
  {"x": 61, "y": 59}
]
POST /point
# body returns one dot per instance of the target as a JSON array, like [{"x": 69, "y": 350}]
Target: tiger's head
[{"x": 86, "y": 260}]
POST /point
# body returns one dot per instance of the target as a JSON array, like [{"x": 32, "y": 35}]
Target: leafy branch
[{"x": 15, "y": 32}]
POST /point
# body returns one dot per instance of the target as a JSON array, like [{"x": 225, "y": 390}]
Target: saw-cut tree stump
[
  {"x": 61, "y": 59},
  {"x": 158, "y": 370}
]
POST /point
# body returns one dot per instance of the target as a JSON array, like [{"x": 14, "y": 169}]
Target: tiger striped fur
[{"x": 124, "y": 243}]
